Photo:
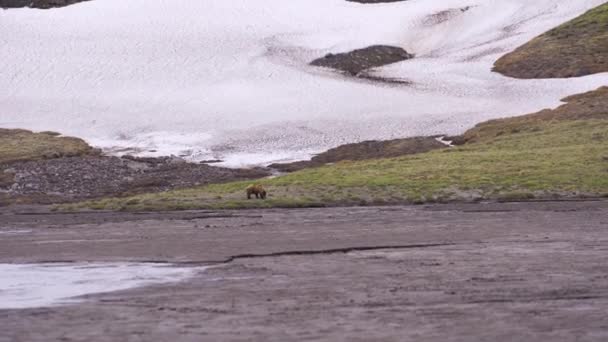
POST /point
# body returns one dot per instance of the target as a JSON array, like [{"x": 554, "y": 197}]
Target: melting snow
[
  {"x": 229, "y": 79},
  {"x": 37, "y": 285}
]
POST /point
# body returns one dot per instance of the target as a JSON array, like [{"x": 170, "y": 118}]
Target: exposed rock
[
  {"x": 7, "y": 178},
  {"x": 357, "y": 61},
  {"x": 211, "y": 161},
  {"x": 366, "y": 150},
  {"x": 40, "y": 4},
  {"x": 77, "y": 178}
]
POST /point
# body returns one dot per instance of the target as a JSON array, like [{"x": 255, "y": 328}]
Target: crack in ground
[
  {"x": 332, "y": 251},
  {"x": 343, "y": 250},
  {"x": 233, "y": 258}
]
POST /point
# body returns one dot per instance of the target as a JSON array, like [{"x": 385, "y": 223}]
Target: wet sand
[{"x": 462, "y": 272}]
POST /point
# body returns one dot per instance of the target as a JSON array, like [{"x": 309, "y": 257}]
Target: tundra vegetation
[
  {"x": 22, "y": 145},
  {"x": 559, "y": 153},
  {"x": 576, "y": 48}
]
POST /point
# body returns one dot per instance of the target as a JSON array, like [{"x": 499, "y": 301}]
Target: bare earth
[{"x": 466, "y": 272}]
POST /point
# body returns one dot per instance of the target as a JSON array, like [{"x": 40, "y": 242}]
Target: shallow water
[
  {"x": 230, "y": 80},
  {"x": 39, "y": 285}
]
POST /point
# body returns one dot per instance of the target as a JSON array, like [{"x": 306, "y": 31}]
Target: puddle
[{"x": 39, "y": 285}]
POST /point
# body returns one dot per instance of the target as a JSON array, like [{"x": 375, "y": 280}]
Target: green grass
[
  {"x": 576, "y": 48},
  {"x": 556, "y": 158},
  {"x": 21, "y": 145}
]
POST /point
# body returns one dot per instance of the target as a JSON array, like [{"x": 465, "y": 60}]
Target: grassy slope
[
  {"x": 553, "y": 153},
  {"x": 19, "y": 145},
  {"x": 576, "y": 48}
]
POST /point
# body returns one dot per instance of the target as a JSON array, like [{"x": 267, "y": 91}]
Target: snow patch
[
  {"x": 161, "y": 77},
  {"x": 39, "y": 285}
]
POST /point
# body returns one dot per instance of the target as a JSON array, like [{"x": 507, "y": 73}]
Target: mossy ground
[
  {"x": 21, "y": 145},
  {"x": 550, "y": 154},
  {"x": 576, "y": 48}
]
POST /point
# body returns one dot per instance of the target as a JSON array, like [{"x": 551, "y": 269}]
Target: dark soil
[
  {"x": 77, "y": 178},
  {"x": 40, "y": 4},
  {"x": 357, "y": 61},
  {"x": 366, "y": 150}
]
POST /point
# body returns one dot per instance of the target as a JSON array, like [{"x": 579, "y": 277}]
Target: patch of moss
[
  {"x": 21, "y": 145},
  {"x": 576, "y": 48}
]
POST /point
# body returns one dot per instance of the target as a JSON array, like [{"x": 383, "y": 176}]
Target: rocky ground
[
  {"x": 47, "y": 167},
  {"x": 57, "y": 169},
  {"x": 479, "y": 272},
  {"x": 68, "y": 179},
  {"x": 358, "y": 62}
]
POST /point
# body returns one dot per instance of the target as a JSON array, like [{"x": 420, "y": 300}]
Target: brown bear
[{"x": 257, "y": 190}]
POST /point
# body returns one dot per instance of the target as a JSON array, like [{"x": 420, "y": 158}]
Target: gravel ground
[
  {"x": 482, "y": 272},
  {"x": 77, "y": 178}
]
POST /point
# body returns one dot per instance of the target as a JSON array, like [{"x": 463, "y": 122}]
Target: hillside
[
  {"x": 576, "y": 48},
  {"x": 560, "y": 153},
  {"x": 592, "y": 105},
  {"x": 22, "y": 145},
  {"x": 175, "y": 77}
]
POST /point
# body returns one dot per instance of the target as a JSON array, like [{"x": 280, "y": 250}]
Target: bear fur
[{"x": 257, "y": 190}]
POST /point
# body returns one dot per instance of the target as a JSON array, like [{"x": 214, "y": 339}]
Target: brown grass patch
[{"x": 576, "y": 48}]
